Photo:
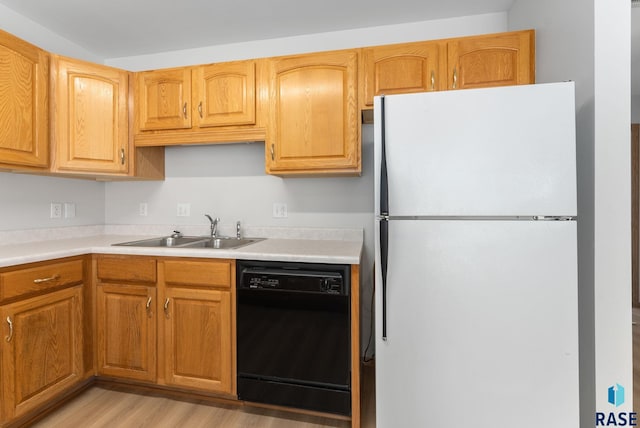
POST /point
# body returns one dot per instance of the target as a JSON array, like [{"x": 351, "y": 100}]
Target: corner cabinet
[
  {"x": 42, "y": 346},
  {"x": 314, "y": 119},
  {"x": 24, "y": 110},
  {"x": 89, "y": 117},
  {"x": 203, "y": 104}
]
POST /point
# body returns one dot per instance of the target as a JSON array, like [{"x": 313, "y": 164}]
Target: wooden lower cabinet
[
  {"x": 197, "y": 339},
  {"x": 126, "y": 331},
  {"x": 41, "y": 349},
  {"x": 182, "y": 338}
]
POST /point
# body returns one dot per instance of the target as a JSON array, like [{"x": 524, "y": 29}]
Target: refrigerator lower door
[{"x": 482, "y": 325}]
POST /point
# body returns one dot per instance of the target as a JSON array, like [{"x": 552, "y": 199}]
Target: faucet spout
[{"x": 214, "y": 225}]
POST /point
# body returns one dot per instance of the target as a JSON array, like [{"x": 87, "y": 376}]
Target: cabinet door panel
[
  {"x": 24, "y": 112},
  {"x": 127, "y": 331},
  {"x": 90, "y": 117},
  {"x": 163, "y": 99},
  {"x": 401, "y": 69},
  {"x": 198, "y": 339},
  {"x": 44, "y": 353},
  {"x": 225, "y": 94},
  {"x": 494, "y": 60},
  {"x": 314, "y": 120}
]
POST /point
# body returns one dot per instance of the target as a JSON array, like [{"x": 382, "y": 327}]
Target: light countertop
[{"x": 294, "y": 250}]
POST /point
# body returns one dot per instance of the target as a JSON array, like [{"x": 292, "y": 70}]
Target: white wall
[
  {"x": 42, "y": 37},
  {"x": 575, "y": 41},
  {"x": 427, "y": 30},
  {"x": 25, "y": 199}
]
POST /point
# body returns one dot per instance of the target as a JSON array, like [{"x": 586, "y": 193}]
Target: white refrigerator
[{"x": 476, "y": 258}]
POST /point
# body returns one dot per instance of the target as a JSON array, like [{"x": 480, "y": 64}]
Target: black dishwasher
[{"x": 293, "y": 335}]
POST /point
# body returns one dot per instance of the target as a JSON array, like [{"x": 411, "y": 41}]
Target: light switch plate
[
  {"x": 279, "y": 210},
  {"x": 143, "y": 209},
  {"x": 184, "y": 210},
  {"x": 69, "y": 210}
]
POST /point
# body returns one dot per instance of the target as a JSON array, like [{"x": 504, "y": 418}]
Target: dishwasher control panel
[{"x": 304, "y": 277}]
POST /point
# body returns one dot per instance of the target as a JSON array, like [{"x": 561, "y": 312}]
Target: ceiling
[{"x": 120, "y": 28}]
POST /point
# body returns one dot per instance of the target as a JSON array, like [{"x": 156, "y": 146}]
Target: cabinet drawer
[
  {"x": 40, "y": 278},
  {"x": 127, "y": 268},
  {"x": 198, "y": 273}
]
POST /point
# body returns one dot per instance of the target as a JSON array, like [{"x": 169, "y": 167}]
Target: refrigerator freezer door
[
  {"x": 482, "y": 326},
  {"x": 506, "y": 151}
]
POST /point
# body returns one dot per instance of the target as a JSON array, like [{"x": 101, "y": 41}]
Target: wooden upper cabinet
[
  {"x": 90, "y": 117},
  {"x": 163, "y": 99},
  {"x": 225, "y": 94},
  {"x": 314, "y": 120},
  {"x": 24, "y": 110},
  {"x": 203, "y": 104},
  {"x": 491, "y": 60},
  {"x": 401, "y": 69}
]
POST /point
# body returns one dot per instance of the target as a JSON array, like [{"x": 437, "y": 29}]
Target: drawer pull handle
[
  {"x": 273, "y": 154},
  {"x": 200, "y": 109},
  {"x": 8, "y": 338},
  {"x": 149, "y": 306},
  {"x": 166, "y": 307},
  {"x": 184, "y": 110},
  {"x": 455, "y": 78},
  {"x": 433, "y": 80},
  {"x": 51, "y": 278},
  {"x": 122, "y": 156}
]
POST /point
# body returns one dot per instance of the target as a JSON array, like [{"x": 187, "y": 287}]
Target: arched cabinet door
[
  {"x": 90, "y": 117},
  {"x": 314, "y": 124},
  {"x": 491, "y": 60},
  {"x": 24, "y": 108}
]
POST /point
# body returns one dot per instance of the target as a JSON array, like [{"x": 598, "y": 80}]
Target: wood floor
[{"x": 100, "y": 408}]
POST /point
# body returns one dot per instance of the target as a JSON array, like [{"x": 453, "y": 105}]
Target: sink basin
[
  {"x": 192, "y": 242},
  {"x": 223, "y": 243},
  {"x": 166, "y": 241}
]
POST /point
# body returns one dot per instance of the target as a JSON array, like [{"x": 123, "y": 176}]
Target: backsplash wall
[{"x": 25, "y": 201}]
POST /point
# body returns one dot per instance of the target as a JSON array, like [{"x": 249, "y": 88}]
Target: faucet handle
[{"x": 176, "y": 234}]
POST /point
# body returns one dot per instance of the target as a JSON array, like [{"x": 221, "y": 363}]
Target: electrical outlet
[
  {"x": 55, "y": 210},
  {"x": 184, "y": 210},
  {"x": 143, "y": 209},
  {"x": 279, "y": 210},
  {"x": 69, "y": 210}
]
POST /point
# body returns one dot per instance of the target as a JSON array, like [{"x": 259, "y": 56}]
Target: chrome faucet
[{"x": 214, "y": 225}]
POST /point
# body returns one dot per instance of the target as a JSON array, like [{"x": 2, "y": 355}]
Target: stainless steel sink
[
  {"x": 223, "y": 243},
  {"x": 191, "y": 242}
]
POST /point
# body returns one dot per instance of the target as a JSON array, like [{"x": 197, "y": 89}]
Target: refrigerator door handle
[
  {"x": 384, "y": 182},
  {"x": 384, "y": 217},
  {"x": 384, "y": 255}
]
